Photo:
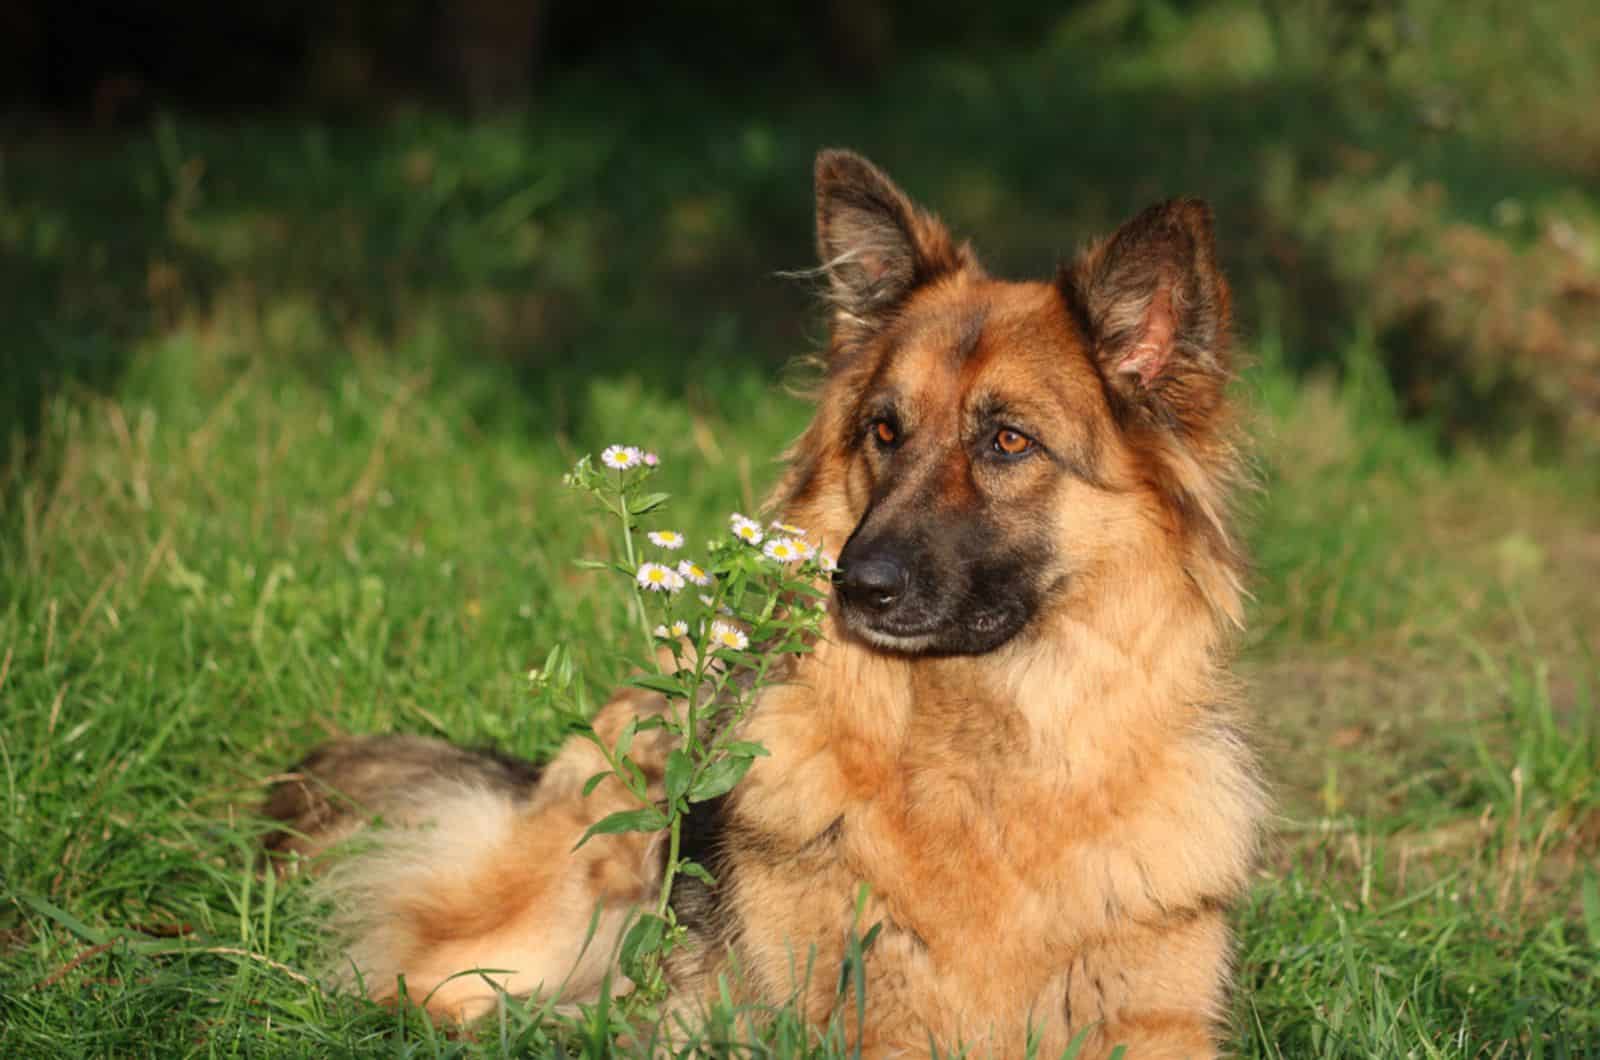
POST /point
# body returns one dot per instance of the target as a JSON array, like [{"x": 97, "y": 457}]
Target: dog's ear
[
  {"x": 1157, "y": 312},
  {"x": 875, "y": 246}
]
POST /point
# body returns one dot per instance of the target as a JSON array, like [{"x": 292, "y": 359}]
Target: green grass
[{"x": 288, "y": 408}]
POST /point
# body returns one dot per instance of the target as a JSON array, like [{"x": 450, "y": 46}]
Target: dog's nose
[{"x": 874, "y": 583}]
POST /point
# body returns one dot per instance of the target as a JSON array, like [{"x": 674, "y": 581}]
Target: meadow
[{"x": 288, "y": 402}]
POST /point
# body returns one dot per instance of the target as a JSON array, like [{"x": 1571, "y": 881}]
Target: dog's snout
[{"x": 875, "y": 582}]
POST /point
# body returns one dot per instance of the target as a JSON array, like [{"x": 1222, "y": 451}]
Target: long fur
[{"x": 1048, "y": 826}]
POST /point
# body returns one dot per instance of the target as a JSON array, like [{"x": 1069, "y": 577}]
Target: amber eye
[
  {"x": 1012, "y": 443},
  {"x": 884, "y": 431}
]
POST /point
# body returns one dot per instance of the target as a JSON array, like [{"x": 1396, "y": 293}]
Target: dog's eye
[
  {"x": 885, "y": 433},
  {"x": 1011, "y": 443}
]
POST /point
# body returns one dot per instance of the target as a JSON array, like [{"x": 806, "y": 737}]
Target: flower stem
[
  {"x": 633, "y": 567},
  {"x": 673, "y": 833}
]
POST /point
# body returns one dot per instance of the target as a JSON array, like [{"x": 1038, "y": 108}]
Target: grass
[{"x": 289, "y": 407}]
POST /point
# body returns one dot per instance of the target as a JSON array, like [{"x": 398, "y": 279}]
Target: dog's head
[{"x": 983, "y": 446}]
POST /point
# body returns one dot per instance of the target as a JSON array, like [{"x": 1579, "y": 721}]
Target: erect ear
[
  {"x": 876, "y": 246},
  {"x": 1157, "y": 312}
]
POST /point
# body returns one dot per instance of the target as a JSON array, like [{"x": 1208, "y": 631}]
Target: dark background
[
  {"x": 1402, "y": 176},
  {"x": 104, "y": 63}
]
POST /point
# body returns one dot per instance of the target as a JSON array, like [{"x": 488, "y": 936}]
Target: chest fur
[{"x": 990, "y": 853}]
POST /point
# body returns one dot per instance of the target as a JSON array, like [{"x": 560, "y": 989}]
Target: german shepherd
[{"x": 1017, "y": 731}]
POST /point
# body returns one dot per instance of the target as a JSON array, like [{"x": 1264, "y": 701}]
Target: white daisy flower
[
  {"x": 783, "y": 549},
  {"x": 788, "y": 528},
  {"x": 674, "y": 631},
  {"x": 693, "y": 572},
  {"x": 659, "y": 579},
  {"x": 827, "y": 563},
  {"x": 727, "y": 635},
  {"x": 667, "y": 539},
  {"x": 746, "y": 529},
  {"x": 620, "y": 457}
]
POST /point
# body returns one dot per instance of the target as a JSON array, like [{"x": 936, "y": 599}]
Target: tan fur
[{"x": 1049, "y": 832}]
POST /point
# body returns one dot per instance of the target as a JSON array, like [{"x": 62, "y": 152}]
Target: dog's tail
[
  {"x": 331, "y": 793},
  {"x": 474, "y": 883}
]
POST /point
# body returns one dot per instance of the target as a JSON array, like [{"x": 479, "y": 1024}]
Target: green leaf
[
  {"x": 590, "y": 564},
  {"x": 668, "y": 686},
  {"x": 720, "y": 777},
  {"x": 680, "y": 770},
  {"x": 592, "y": 783},
  {"x": 625, "y": 738},
  {"x": 746, "y": 748},
  {"x": 1079, "y": 1040},
  {"x": 749, "y": 660},
  {"x": 648, "y": 503},
  {"x": 558, "y": 665},
  {"x": 697, "y": 870},
  {"x": 646, "y": 819},
  {"x": 642, "y": 939},
  {"x": 633, "y": 777},
  {"x": 65, "y": 919}
]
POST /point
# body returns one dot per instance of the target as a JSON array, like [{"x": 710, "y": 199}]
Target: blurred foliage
[
  {"x": 1405, "y": 174},
  {"x": 107, "y": 59}
]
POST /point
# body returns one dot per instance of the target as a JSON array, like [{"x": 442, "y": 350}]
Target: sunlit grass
[
  {"x": 288, "y": 412},
  {"x": 235, "y": 559}
]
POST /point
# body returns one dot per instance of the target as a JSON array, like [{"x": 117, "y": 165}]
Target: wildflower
[
  {"x": 650, "y": 459},
  {"x": 659, "y": 579},
  {"x": 788, "y": 528},
  {"x": 693, "y": 572},
  {"x": 674, "y": 631},
  {"x": 620, "y": 457},
  {"x": 783, "y": 549},
  {"x": 827, "y": 563},
  {"x": 746, "y": 529},
  {"x": 727, "y": 635},
  {"x": 667, "y": 539}
]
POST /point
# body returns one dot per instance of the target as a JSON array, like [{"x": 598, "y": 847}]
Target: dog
[{"x": 1017, "y": 730}]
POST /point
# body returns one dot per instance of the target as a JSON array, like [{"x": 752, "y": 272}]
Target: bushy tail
[
  {"x": 341, "y": 786},
  {"x": 476, "y": 869}
]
